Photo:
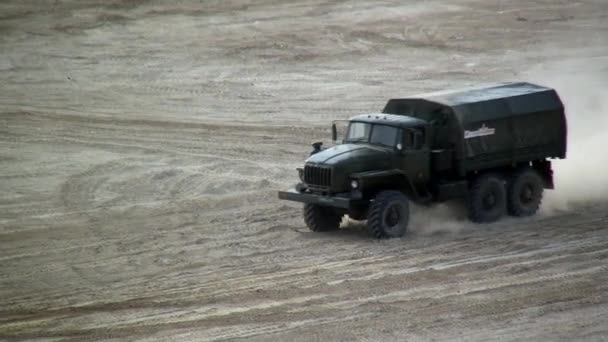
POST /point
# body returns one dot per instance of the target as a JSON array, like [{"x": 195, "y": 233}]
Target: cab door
[{"x": 415, "y": 155}]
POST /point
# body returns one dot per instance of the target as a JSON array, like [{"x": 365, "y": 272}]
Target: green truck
[{"x": 489, "y": 146}]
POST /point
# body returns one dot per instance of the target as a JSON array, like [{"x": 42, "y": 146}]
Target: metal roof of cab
[
  {"x": 389, "y": 119},
  {"x": 480, "y": 103}
]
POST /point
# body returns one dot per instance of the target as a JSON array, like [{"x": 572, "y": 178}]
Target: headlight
[
  {"x": 301, "y": 174},
  {"x": 354, "y": 184}
]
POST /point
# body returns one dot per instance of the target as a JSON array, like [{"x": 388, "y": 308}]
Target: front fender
[{"x": 371, "y": 182}]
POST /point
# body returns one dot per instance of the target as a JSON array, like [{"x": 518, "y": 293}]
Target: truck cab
[{"x": 373, "y": 143}]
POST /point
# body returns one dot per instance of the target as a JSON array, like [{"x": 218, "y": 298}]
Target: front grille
[{"x": 319, "y": 176}]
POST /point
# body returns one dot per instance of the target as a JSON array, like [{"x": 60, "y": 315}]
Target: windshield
[
  {"x": 358, "y": 131},
  {"x": 374, "y": 134},
  {"x": 384, "y": 135}
]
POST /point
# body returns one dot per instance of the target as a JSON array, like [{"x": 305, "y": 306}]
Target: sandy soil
[{"x": 142, "y": 145}]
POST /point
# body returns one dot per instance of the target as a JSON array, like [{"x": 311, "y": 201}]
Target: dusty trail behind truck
[{"x": 489, "y": 146}]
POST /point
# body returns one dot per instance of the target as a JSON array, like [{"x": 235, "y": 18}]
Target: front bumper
[{"x": 344, "y": 201}]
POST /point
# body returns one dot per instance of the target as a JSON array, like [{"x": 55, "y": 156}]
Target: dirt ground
[{"x": 142, "y": 145}]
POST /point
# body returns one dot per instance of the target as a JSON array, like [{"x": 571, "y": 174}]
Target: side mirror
[
  {"x": 316, "y": 147},
  {"x": 334, "y": 132}
]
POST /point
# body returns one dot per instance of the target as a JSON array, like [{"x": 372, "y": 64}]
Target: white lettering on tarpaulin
[{"x": 482, "y": 131}]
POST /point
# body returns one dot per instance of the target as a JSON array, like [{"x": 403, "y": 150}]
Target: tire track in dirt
[{"x": 362, "y": 264}]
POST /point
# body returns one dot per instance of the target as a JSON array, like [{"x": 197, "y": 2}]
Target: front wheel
[
  {"x": 389, "y": 215},
  {"x": 320, "y": 219}
]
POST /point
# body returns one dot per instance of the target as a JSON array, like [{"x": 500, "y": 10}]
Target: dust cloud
[
  {"x": 582, "y": 177},
  {"x": 448, "y": 217}
]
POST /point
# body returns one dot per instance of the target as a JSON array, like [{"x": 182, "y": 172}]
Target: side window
[
  {"x": 413, "y": 138},
  {"x": 418, "y": 138},
  {"x": 408, "y": 139}
]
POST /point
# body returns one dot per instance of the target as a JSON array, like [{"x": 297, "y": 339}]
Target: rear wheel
[
  {"x": 320, "y": 219},
  {"x": 525, "y": 193},
  {"x": 389, "y": 215},
  {"x": 487, "y": 199}
]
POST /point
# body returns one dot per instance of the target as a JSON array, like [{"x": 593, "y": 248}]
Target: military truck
[{"x": 489, "y": 146}]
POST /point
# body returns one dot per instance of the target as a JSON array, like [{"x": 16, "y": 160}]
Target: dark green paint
[{"x": 527, "y": 125}]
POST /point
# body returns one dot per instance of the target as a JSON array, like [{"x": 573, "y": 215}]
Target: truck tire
[
  {"x": 321, "y": 219},
  {"x": 524, "y": 193},
  {"x": 389, "y": 215},
  {"x": 487, "y": 199}
]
